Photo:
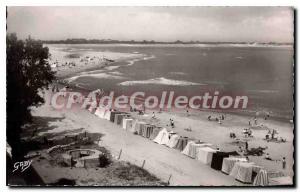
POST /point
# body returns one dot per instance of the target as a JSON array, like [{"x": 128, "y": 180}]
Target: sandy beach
[
  {"x": 67, "y": 63},
  {"x": 163, "y": 161},
  {"x": 160, "y": 160}
]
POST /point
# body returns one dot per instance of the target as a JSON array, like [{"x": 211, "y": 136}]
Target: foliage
[{"x": 28, "y": 72}]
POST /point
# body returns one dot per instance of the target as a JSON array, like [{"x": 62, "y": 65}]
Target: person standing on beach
[
  {"x": 255, "y": 121},
  {"x": 283, "y": 163},
  {"x": 187, "y": 113},
  {"x": 172, "y": 123},
  {"x": 246, "y": 146}
]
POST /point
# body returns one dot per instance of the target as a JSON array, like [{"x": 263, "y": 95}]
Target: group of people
[
  {"x": 218, "y": 119},
  {"x": 270, "y": 136},
  {"x": 283, "y": 160},
  {"x": 247, "y": 132}
]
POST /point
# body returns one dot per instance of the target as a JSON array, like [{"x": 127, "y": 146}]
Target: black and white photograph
[{"x": 150, "y": 96}]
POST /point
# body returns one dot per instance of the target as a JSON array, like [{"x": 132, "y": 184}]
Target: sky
[{"x": 226, "y": 24}]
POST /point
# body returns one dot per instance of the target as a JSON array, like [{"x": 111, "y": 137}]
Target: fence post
[
  {"x": 143, "y": 163},
  {"x": 169, "y": 179},
  {"x": 120, "y": 154}
]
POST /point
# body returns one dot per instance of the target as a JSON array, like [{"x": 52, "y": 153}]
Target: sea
[{"x": 263, "y": 73}]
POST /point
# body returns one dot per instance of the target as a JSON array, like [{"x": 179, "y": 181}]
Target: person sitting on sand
[
  {"x": 267, "y": 157},
  {"x": 240, "y": 149},
  {"x": 249, "y": 132},
  {"x": 141, "y": 112},
  {"x": 247, "y": 158},
  {"x": 153, "y": 115},
  {"x": 232, "y": 135},
  {"x": 282, "y": 140},
  {"x": 220, "y": 122}
]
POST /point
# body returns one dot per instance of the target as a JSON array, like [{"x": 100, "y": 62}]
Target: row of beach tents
[{"x": 230, "y": 163}]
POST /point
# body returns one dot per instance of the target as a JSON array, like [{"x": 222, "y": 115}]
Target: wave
[
  {"x": 177, "y": 73},
  {"x": 263, "y": 91},
  {"x": 150, "y": 57},
  {"x": 111, "y": 67},
  {"x": 91, "y": 72},
  {"x": 116, "y": 73},
  {"x": 97, "y": 75},
  {"x": 131, "y": 62},
  {"x": 160, "y": 81}
]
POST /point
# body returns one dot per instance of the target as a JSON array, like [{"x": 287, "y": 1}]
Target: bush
[{"x": 104, "y": 161}]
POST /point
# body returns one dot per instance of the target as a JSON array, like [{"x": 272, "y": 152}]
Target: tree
[{"x": 28, "y": 73}]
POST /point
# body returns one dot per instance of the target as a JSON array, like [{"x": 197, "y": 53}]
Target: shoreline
[
  {"x": 245, "y": 45},
  {"x": 69, "y": 63},
  {"x": 249, "y": 114}
]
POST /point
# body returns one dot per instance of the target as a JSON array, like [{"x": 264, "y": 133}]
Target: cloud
[{"x": 154, "y": 23}]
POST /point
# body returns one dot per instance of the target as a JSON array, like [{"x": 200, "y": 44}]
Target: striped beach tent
[{"x": 261, "y": 178}]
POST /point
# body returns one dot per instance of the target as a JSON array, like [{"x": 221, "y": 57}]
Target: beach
[
  {"x": 160, "y": 160},
  {"x": 67, "y": 62}
]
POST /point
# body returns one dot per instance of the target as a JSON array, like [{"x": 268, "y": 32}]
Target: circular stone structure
[{"x": 82, "y": 157}]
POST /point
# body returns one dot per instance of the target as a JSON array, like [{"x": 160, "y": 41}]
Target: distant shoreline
[
  {"x": 146, "y": 42},
  {"x": 176, "y": 44}
]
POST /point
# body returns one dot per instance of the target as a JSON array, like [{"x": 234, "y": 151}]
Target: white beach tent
[
  {"x": 133, "y": 127},
  {"x": 107, "y": 114},
  {"x": 243, "y": 171},
  {"x": 173, "y": 141},
  {"x": 100, "y": 111},
  {"x": 228, "y": 163},
  {"x": 162, "y": 137},
  {"x": 127, "y": 123},
  {"x": 191, "y": 148},
  {"x": 205, "y": 154}
]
